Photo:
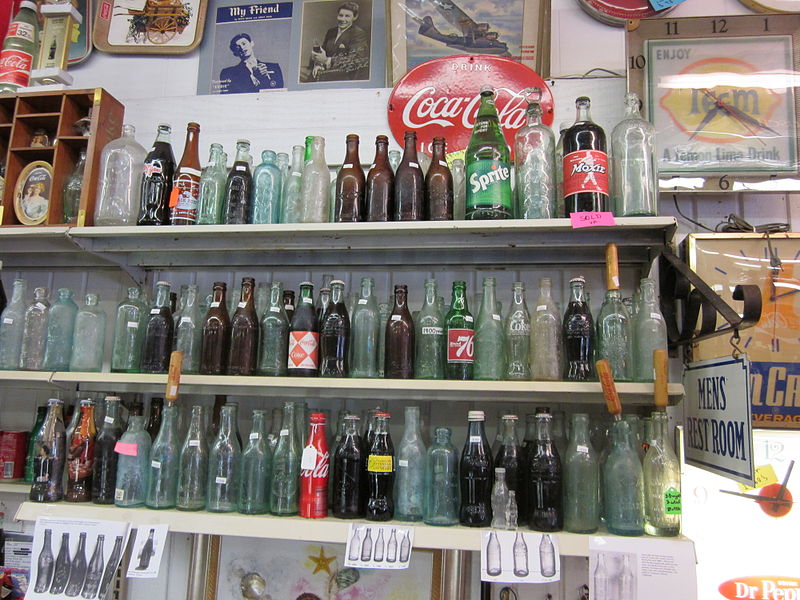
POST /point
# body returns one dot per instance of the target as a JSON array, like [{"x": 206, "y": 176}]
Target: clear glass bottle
[
  {"x": 284, "y": 489},
  {"x": 535, "y": 167},
  {"x": 71, "y": 194},
  {"x": 90, "y": 337},
  {"x": 581, "y": 480},
  {"x": 158, "y": 333},
  {"x": 614, "y": 342},
  {"x": 238, "y": 187},
  {"x": 49, "y": 456},
  {"x": 662, "y": 482},
  {"x": 256, "y": 469},
  {"x": 459, "y": 189},
  {"x": 267, "y": 184},
  {"x": 12, "y": 324},
  {"x": 212, "y": 187},
  {"x": 547, "y": 352},
  {"x": 193, "y": 466},
  {"x": 509, "y": 456},
  {"x": 34, "y": 333},
  {"x": 292, "y": 201},
  {"x": 429, "y": 357},
  {"x": 129, "y": 329},
  {"x": 224, "y": 465},
  {"x": 364, "y": 332},
  {"x": 104, "y": 477},
  {"x": 410, "y": 482},
  {"x": 649, "y": 331},
  {"x": 315, "y": 189},
  {"x": 441, "y": 481},
  {"x": 499, "y": 499},
  {"x": 80, "y": 457},
  {"x": 490, "y": 339},
  {"x": 60, "y": 329},
  {"x": 189, "y": 332},
  {"x": 493, "y": 555},
  {"x": 520, "y": 552},
  {"x": 633, "y": 163},
  {"x": 273, "y": 357},
  {"x": 133, "y": 467},
  {"x": 119, "y": 186},
  {"x": 162, "y": 485},
  {"x": 517, "y": 329},
  {"x": 623, "y": 485}
]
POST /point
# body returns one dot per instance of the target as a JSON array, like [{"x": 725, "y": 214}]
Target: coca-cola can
[
  {"x": 13, "y": 448},
  {"x": 314, "y": 465}
]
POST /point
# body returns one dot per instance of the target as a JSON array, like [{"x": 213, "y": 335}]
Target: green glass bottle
[
  {"x": 364, "y": 332},
  {"x": 212, "y": 187},
  {"x": 490, "y": 338},
  {"x": 581, "y": 480},
  {"x": 256, "y": 469},
  {"x": 623, "y": 485},
  {"x": 60, "y": 328},
  {"x": 429, "y": 358},
  {"x": 189, "y": 331},
  {"x": 460, "y": 332},
  {"x": 614, "y": 341},
  {"x": 224, "y": 464},
  {"x": 442, "y": 494},
  {"x": 662, "y": 482},
  {"x": 273, "y": 357}
]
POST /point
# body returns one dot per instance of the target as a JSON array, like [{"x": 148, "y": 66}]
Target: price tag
[
  {"x": 221, "y": 480},
  {"x": 496, "y": 317},
  {"x": 108, "y": 419},
  {"x": 133, "y": 325},
  {"x": 185, "y": 320},
  {"x": 119, "y": 494},
  {"x": 155, "y": 311},
  {"x": 241, "y": 304},
  {"x": 672, "y": 502},
  {"x": 474, "y": 438},
  {"x": 582, "y": 449},
  {"x": 656, "y": 316},
  {"x": 214, "y": 304},
  {"x": 347, "y": 166},
  {"x": 401, "y": 462},
  {"x": 274, "y": 309},
  {"x": 194, "y": 443},
  {"x": 541, "y": 307},
  {"x": 155, "y": 464},
  {"x": 615, "y": 280},
  {"x": 362, "y": 300},
  {"x": 284, "y": 432},
  {"x": 663, "y": 4},
  {"x": 413, "y": 165},
  {"x": 309, "y": 458},
  {"x": 296, "y": 174},
  {"x": 469, "y": 319},
  {"x": 379, "y": 464},
  {"x": 442, "y": 163},
  {"x": 254, "y": 435},
  {"x": 126, "y": 448},
  {"x": 308, "y": 301},
  {"x": 397, "y": 317},
  {"x": 7, "y": 321},
  {"x": 592, "y": 219}
]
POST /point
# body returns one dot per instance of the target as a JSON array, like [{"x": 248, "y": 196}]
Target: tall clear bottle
[
  {"x": 193, "y": 465},
  {"x": 544, "y": 492},
  {"x": 133, "y": 466},
  {"x": 213, "y": 178},
  {"x": 12, "y": 325},
  {"x": 578, "y": 334},
  {"x": 490, "y": 339},
  {"x": 410, "y": 482},
  {"x": 189, "y": 332},
  {"x": 162, "y": 485},
  {"x": 292, "y": 201},
  {"x": 49, "y": 456},
  {"x": 256, "y": 469},
  {"x": 119, "y": 186},
  {"x": 315, "y": 189},
  {"x": 284, "y": 489},
  {"x": 460, "y": 334},
  {"x": 581, "y": 480},
  {"x": 238, "y": 187},
  {"x": 459, "y": 189},
  {"x": 158, "y": 171},
  {"x": 245, "y": 332},
  {"x": 535, "y": 167},
  {"x": 399, "y": 343},
  {"x": 517, "y": 328},
  {"x": 442, "y": 497},
  {"x": 158, "y": 333},
  {"x": 267, "y": 185},
  {"x": 547, "y": 352},
  {"x": 649, "y": 331},
  {"x": 129, "y": 329},
  {"x": 224, "y": 465},
  {"x": 364, "y": 332},
  {"x": 104, "y": 477},
  {"x": 34, "y": 334},
  {"x": 89, "y": 337},
  {"x": 80, "y": 456},
  {"x": 662, "y": 482},
  {"x": 475, "y": 474},
  {"x": 614, "y": 339},
  {"x": 274, "y": 352},
  {"x": 500, "y": 500},
  {"x": 334, "y": 335},
  {"x": 60, "y": 328},
  {"x": 429, "y": 357},
  {"x": 633, "y": 162},
  {"x": 623, "y": 485}
]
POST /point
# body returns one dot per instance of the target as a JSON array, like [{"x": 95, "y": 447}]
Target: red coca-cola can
[
  {"x": 13, "y": 448},
  {"x": 314, "y": 466}
]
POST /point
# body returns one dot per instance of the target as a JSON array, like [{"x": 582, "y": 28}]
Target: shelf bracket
[
  {"x": 137, "y": 275},
  {"x": 684, "y": 291}
]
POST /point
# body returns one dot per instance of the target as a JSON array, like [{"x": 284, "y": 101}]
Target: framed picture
[
  {"x": 81, "y": 47},
  {"x": 721, "y": 94},
  {"x": 724, "y": 260},
  {"x": 32, "y": 193},
  {"x": 149, "y": 26}
]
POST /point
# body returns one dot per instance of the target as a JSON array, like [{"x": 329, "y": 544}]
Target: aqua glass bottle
[
  {"x": 581, "y": 480},
  {"x": 273, "y": 357},
  {"x": 429, "y": 357},
  {"x": 162, "y": 485},
  {"x": 633, "y": 164},
  {"x": 189, "y": 331},
  {"x": 518, "y": 336},
  {"x": 224, "y": 465},
  {"x": 126, "y": 351},
  {"x": 410, "y": 472},
  {"x": 490, "y": 338},
  {"x": 267, "y": 182},
  {"x": 384, "y": 309},
  {"x": 212, "y": 187},
  {"x": 614, "y": 336},
  {"x": 637, "y": 434},
  {"x": 365, "y": 332},
  {"x": 34, "y": 334},
  {"x": 442, "y": 498},
  {"x": 292, "y": 200},
  {"x": 193, "y": 467},
  {"x": 90, "y": 337},
  {"x": 256, "y": 469},
  {"x": 284, "y": 488},
  {"x": 60, "y": 327},
  {"x": 649, "y": 331},
  {"x": 133, "y": 467},
  {"x": 662, "y": 482},
  {"x": 535, "y": 167},
  {"x": 623, "y": 485},
  {"x": 284, "y": 164},
  {"x": 12, "y": 324},
  {"x": 547, "y": 353}
]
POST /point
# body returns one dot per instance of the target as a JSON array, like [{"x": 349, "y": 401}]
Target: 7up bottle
[{"x": 488, "y": 165}]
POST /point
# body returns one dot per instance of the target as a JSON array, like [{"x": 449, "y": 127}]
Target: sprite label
[{"x": 488, "y": 184}]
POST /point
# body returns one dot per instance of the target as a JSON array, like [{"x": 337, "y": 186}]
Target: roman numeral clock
[{"x": 722, "y": 94}]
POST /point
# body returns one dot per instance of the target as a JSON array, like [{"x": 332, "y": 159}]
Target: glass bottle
[
  {"x": 633, "y": 162},
  {"x": 60, "y": 328},
  {"x": 544, "y": 491},
  {"x": 517, "y": 329},
  {"x": 488, "y": 165},
  {"x": 104, "y": 477},
  {"x": 509, "y": 456},
  {"x": 520, "y": 552},
  {"x": 284, "y": 165},
  {"x": 602, "y": 579},
  {"x": 113, "y": 563},
  {"x": 267, "y": 185},
  {"x": 562, "y": 128},
  {"x": 316, "y": 184},
  {"x": 49, "y": 456},
  {"x": 499, "y": 499},
  {"x": 334, "y": 335},
  {"x": 224, "y": 465},
  {"x": 384, "y": 310},
  {"x": 350, "y": 185},
  {"x": 399, "y": 343},
  {"x": 623, "y": 485},
  {"x": 238, "y": 187},
  {"x": 62, "y": 568},
  {"x": 245, "y": 330},
  {"x": 410, "y": 472},
  {"x": 578, "y": 334},
  {"x": 133, "y": 465},
  {"x": 12, "y": 324},
  {"x": 274, "y": 352},
  {"x": 475, "y": 475},
  {"x": 364, "y": 332},
  {"x": 395, "y": 156},
  {"x": 158, "y": 333},
  {"x": 585, "y": 163},
  {"x": 215, "y": 345},
  {"x": 284, "y": 489},
  {"x": 189, "y": 332},
  {"x": 45, "y": 563},
  {"x": 193, "y": 465},
  {"x": 493, "y": 556},
  {"x": 441, "y": 504},
  {"x": 379, "y": 195},
  {"x": 490, "y": 342},
  {"x": 185, "y": 201},
  {"x": 77, "y": 571},
  {"x": 439, "y": 184},
  {"x": 323, "y": 299},
  {"x": 581, "y": 480},
  {"x": 662, "y": 482},
  {"x": 94, "y": 571},
  {"x": 381, "y": 472},
  {"x": 129, "y": 329},
  {"x": 90, "y": 337},
  {"x": 547, "y": 556},
  {"x": 41, "y": 413},
  {"x": 162, "y": 485},
  {"x": 154, "y": 418},
  {"x": 459, "y": 189},
  {"x": 460, "y": 333},
  {"x": 349, "y": 465},
  {"x": 614, "y": 335},
  {"x": 535, "y": 167},
  {"x": 80, "y": 460},
  {"x": 303, "y": 351},
  {"x": 292, "y": 206},
  {"x": 34, "y": 333},
  {"x": 157, "y": 179},
  {"x": 429, "y": 356},
  {"x": 119, "y": 186},
  {"x": 649, "y": 331},
  {"x": 213, "y": 178},
  {"x": 256, "y": 469},
  {"x": 409, "y": 183},
  {"x": 547, "y": 353}
]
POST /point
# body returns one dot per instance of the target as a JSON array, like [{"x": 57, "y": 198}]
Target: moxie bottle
[
  {"x": 380, "y": 472},
  {"x": 439, "y": 185},
  {"x": 304, "y": 336},
  {"x": 104, "y": 477},
  {"x": 184, "y": 201},
  {"x": 475, "y": 475},
  {"x": 158, "y": 333},
  {"x": 314, "y": 465},
  {"x": 399, "y": 345},
  {"x": 334, "y": 335},
  {"x": 80, "y": 460},
  {"x": 238, "y": 188},
  {"x": 215, "y": 346},
  {"x": 409, "y": 184},
  {"x": 348, "y": 470},
  {"x": 379, "y": 196},
  {"x": 49, "y": 455},
  {"x": 460, "y": 332},
  {"x": 578, "y": 334},
  {"x": 544, "y": 492},
  {"x": 350, "y": 186},
  {"x": 159, "y": 170},
  {"x": 245, "y": 331},
  {"x": 585, "y": 163}
]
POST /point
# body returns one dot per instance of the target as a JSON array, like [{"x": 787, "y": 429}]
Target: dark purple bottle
[
  {"x": 475, "y": 474},
  {"x": 409, "y": 184},
  {"x": 578, "y": 334},
  {"x": 544, "y": 497},
  {"x": 216, "y": 340},
  {"x": 348, "y": 469},
  {"x": 158, "y": 333},
  {"x": 245, "y": 330},
  {"x": 159, "y": 169},
  {"x": 380, "y": 473},
  {"x": 334, "y": 335},
  {"x": 399, "y": 347}
]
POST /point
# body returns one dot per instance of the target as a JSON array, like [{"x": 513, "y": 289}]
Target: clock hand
[
  {"x": 782, "y": 489},
  {"x": 713, "y": 112},
  {"x": 739, "y": 114},
  {"x": 759, "y": 498}
]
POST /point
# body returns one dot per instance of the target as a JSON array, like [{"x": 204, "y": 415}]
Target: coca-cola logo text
[
  {"x": 320, "y": 470},
  {"x": 15, "y": 61},
  {"x": 427, "y": 107}
]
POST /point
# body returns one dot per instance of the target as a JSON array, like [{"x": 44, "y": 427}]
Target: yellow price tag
[
  {"x": 379, "y": 464},
  {"x": 765, "y": 475},
  {"x": 81, "y": 217},
  {"x": 2, "y": 210},
  {"x": 76, "y": 32}
]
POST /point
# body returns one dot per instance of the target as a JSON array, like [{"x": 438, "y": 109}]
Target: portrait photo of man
[{"x": 251, "y": 74}]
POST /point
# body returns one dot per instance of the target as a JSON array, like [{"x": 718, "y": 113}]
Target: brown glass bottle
[
  {"x": 380, "y": 184},
  {"x": 439, "y": 185},
  {"x": 245, "y": 331},
  {"x": 350, "y": 185},
  {"x": 185, "y": 197},
  {"x": 154, "y": 420},
  {"x": 216, "y": 334},
  {"x": 409, "y": 184},
  {"x": 399, "y": 352}
]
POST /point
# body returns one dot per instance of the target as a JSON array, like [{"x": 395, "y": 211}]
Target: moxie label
[
  {"x": 303, "y": 350},
  {"x": 460, "y": 345},
  {"x": 585, "y": 171}
]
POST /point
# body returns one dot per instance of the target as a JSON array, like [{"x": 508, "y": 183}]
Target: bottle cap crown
[{"x": 475, "y": 415}]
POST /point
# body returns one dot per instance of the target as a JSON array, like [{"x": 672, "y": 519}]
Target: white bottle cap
[{"x": 475, "y": 415}]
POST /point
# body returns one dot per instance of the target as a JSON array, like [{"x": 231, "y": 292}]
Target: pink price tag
[
  {"x": 126, "y": 448},
  {"x": 591, "y": 219}
]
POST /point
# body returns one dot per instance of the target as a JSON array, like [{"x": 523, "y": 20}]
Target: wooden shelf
[{"x": 15, "y": 487}]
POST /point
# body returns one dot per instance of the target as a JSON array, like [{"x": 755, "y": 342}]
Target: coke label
[
  {"x": 314, "y": 466},
  {"x": 303, "y": 350},
  {"x": 460, "y": 345},
  {"x": 15, "y": 67},
  {"x": 585, "y": 171}
]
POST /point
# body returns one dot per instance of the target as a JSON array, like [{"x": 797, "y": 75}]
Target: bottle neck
[
  {"x": 351, "y": 156},
  {"x": 168, "y": 421},
  {"x": 112, "y": 413},
  {"x": 509, "y": 436},
  {"x": 411, "y": 431},
  {"x": 576, "y": 292},
  {"x": 243, "y": 155},
  {"x": 164, "y": 136},
  {"x": 136, "y": 423},
  {"x": 318, "y": 150},
  {"x": 18, "y": 295},
  {"x": 580, "y": 429},
  {"x": 259, "y": 423},
  {"x": 620, "y": 434},
  {"x": 247, "y": 292},
  {"x": 287, "y": 422},
  {"x": 543, "y": 430},
  {"x": 430, "y": 293},
  {"x": 276, "y": 295},
  {"x": 487, "y": 109},
  {"x": 367, "y": 288},
  {"x": 381, "y": 151},
  {"x": 438, "y": 153},
  {"x": 582, "y": 113},
  {"x": 227, "y": 424},
  {"x": 442, "y": 436},
  {"x": 518, "y": 295},
  {"x": 297, "y": 158},
  {"x": 350, "y": 428},
  {"x": 489, "y": 303},
  {"x": 400, "y": 297},
  {"x": 219, "y": 295},
  {"x": 476, "y": 428},
  {"x": 533, "y": 117},
  {"x": 648, "y": 293},
  {"x": 306, "y": 294},
  {"x": 459, "y": 299},
  {"x": 410, "y": 148},
  {"x": 191, "y": 157},
  {"x": 337, "y": 291},
  {"x": 196, "y": 429},
  {"x": 162, "y": 296}
]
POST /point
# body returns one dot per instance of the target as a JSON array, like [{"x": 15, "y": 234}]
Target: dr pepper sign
[{"x": 440, "y": 98}]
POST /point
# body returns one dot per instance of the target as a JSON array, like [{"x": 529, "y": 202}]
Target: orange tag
[{"x": 173, "y": 197}]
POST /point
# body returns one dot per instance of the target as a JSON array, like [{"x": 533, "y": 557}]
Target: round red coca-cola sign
[{"x": 440, "y": 98}]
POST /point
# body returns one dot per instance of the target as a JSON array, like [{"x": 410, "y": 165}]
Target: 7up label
[
  {"x": 489, "y": 184},
  {"x": 460, "y": 345}
]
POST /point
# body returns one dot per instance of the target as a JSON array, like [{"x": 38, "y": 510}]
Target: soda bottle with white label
[
  {"x": 185, "y": 198},
  {"x": 399, "y": 345},
  {"x": 429, "y": 357},
  {"x": 585, "y": 163},
  {"x": 224, "y": 464},
  {"x": 19, "y": 49},
  {"x": 215, "y": 344},
  {"x": 488, "y": 163},
  {"x": 314, "y": 465},
  {"x": 159, "y": 168},
  {"x": 460, "y": 332},
  {"x": 304, "y": 336}
]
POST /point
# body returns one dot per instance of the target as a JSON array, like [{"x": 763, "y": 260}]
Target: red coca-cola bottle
[
  {"x": 314, "y": 471},
  {"x": 585, "y": 163}
]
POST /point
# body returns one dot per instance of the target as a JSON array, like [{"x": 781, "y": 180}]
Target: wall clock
[
  {"x": 724, "y": 260},
  {"x": 618, "y": 12},
  {"x": 721, "y": 94},
  {"x": 767, "y": 6}
]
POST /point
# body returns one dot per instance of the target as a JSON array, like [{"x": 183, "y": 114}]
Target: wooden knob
[
  {"x": 612, "y": 267},
  {"x": 174, "y": 377},
  {"x": 609, "y": 389},
  {"x": 660, "y": 390}
]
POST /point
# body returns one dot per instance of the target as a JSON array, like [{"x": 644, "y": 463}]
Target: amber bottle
[{"x": 216, "y": 334}]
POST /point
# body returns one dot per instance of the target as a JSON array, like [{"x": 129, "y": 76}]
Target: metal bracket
[
  {"x": 137, "y": 275},
  {"x": 683, "y": 289}
]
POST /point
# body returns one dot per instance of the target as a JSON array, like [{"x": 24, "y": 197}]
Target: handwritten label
[
  {"x": 309, "y": 458},
  {"x": 592, "y": 219},
  {"x": 672, "y": 502},
  {"x": 765, "y": 475},
  {"x": 126, "y": 448},
  {"x": 119, "y": 494}
]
